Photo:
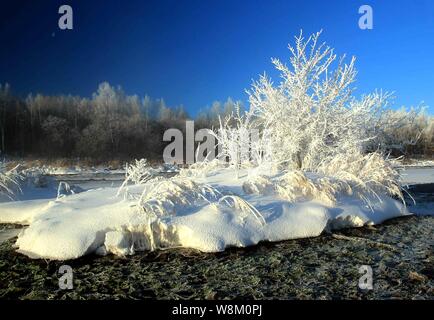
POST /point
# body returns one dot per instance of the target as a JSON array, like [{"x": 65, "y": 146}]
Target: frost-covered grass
[
  {"x": 136, "y": 173},
  {"x": 369, "y": 174},
  {"x": 166, "y": 197},
  {"x": 9, "y": 181},
  {"x": 361, "y": 178}
]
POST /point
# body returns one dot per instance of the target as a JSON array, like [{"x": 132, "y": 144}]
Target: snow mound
[{"x": 219, "y": 209}]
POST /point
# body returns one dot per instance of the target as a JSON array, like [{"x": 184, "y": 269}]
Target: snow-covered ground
[
  {"x": 99, "y": 220},
  {"x": 97, "y": 171},
  {"x": 417, "y": 175},
  {"x": 8, "y": 234},
  {"x": 420, "y": 163}
]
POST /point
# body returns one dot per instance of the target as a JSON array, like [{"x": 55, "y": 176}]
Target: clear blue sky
[{"x": 195, "y": 52}]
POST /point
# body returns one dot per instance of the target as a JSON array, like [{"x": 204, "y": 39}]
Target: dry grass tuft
[{"x": 9, "y": 180}]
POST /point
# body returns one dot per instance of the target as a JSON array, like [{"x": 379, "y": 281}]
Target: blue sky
[{"x": 195, "y": 52}]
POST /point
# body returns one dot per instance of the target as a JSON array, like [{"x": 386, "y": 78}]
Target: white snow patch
[
  {"x": 416, "y": 175},
  {"x": 98, "y": 221}
]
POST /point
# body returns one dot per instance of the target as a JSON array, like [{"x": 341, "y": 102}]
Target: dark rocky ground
[{"x": 399, "y": 251}]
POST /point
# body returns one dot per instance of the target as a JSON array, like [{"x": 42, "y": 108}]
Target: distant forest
[
  {"x": 110, "y": 125},
  {"x": 113, "y": 125}
]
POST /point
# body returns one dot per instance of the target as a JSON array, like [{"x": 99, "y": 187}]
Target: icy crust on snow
[
  {"x": 100, "y": 221},
  {"x": 417, "y": 175},
  {"x": 50, "y": 170}
]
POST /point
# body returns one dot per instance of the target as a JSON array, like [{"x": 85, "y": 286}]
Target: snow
[
  {"x": 8, "y": 234},
  {"x": 78, "y": 170},
  {"x": 420, "y": 163},
  {"x": 419, "y": 175},
  {"x": 98, "y": 221}
]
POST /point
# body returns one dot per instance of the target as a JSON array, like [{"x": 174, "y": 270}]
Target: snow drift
[{"x": 210, "y": 212}]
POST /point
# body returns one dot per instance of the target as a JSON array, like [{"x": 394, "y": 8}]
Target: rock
[{"x": 65, "y": 189}]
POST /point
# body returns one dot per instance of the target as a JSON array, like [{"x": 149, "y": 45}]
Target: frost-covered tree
[
  {"x": 209, "y": 116},
  {"x": 312, "y": 115},
  {"x": 55, "y": 129},
  {"x": 311, "y": 122},
  {"x": 405, "y": 132}
]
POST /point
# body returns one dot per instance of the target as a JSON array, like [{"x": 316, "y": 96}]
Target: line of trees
[
  {"x": 406, "y": 132},
  {"x": 114, "y": 125},
  {"x": 109, "y": 125}
]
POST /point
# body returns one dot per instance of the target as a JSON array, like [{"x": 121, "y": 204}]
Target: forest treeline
[
  {"x": 114, "y": 125},
  {"x": 109, "y": 125}
]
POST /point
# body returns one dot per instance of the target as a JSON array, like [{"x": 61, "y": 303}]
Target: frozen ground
[{"x": 326, "y": 267}]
